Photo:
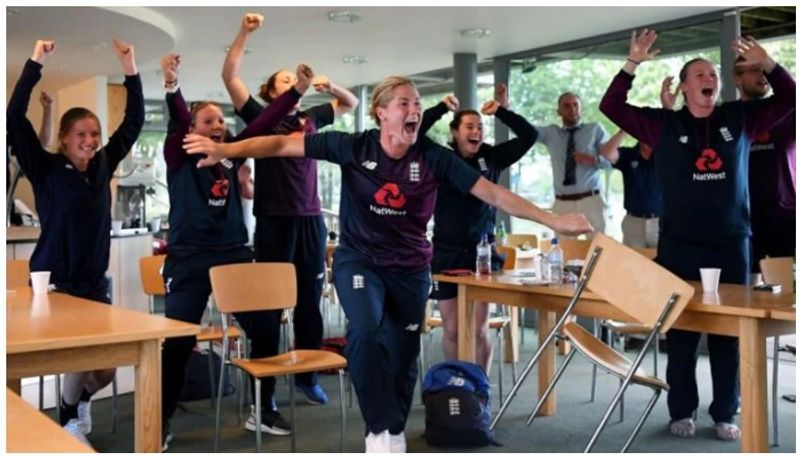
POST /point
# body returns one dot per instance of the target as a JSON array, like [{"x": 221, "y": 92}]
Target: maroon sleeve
[
  {"x": 644, "y": 124},
  {"x": 270, "y": 116},
  {"x": 762, "y": 116},
  {"x": 181, "y": 120}
]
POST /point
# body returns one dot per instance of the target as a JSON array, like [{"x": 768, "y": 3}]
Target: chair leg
[
  {"x": 622, "y": 399},
  {"x": 41, "y": 392},
  {"x": 211, "y": 372},
  {"x": 521, "y": 326},
  {"x": 58, "y": 397},
  {"x": 342, "y": 415},
  {"x": 258, "y": 413},
  {"x": 617, "y": 398},
  {"x": 776, "y": 347},
  {"x": 240, "y": 380},
  {"x": 595, "y": 331},
  {"x": 500, "y": 363},
  {"x": 639, "y": 424},
  {"x": 550, "y": 387},
  {"x": 114, "y": 404},
  {"x": 291, "y": 412},
  {"x": 217, "y": 419},
  {"x": 421, "y": 364}
]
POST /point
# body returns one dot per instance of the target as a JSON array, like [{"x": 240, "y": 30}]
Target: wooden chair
[
  {"x": 516, "y": 240},
  {"x": 257, "y": 286},
  {"x": 649, "y": 294},
  {"x": 619, "y": 331},
  {"x": 776, "y": 270},
  {"x": 153, "y": 285}
]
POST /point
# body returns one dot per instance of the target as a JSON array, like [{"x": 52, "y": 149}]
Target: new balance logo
[
  {"x": 482, "y": 164},
  {"x": 358, "y": 281},
  {"x": 412, "y": 327},
  {"x": 167, "y": 283},
  {"x": 369, "y": 165},
  {"x": 457, "y": 381},
  {"x": 683, "y": 139}
]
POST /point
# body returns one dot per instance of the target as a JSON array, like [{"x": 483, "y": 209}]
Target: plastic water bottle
[
  {"x": 501, "y": 234},
  {"x": 483, "y": 262},
  {"x": 555, "y": 260}
]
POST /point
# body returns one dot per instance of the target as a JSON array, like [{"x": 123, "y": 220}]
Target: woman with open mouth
[
  {"x": 461, "y": 219},
  {"x": 289, "y": 222},
  {"x": 701, "y": 157},
  {"x": 206, "y": 229},
  {"x": 382, "y": 265}
]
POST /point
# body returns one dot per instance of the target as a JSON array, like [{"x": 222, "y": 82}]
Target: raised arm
[
  {"x": 121, "y": 141},
  {"x": 179, "y": 118},
  {"x": 343, "y": 102},
  {"x": 258, "y": 147},
  {"x": 432, "y": 115},
  {"x": 511, "y": 203},
  {"x": 21, "y": 134},
  {"x": 48, "y": 120},
  {"x": 610, "y": 150},
  {"x": 761, "y": 116},
  {"x": 509, "y": 152},
  {"x": 237, "y": 89},
  {"x": 643, "y": 124}
]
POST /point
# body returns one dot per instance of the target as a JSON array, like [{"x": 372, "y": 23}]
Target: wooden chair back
[
  {"x": 150, "y": 274},
  {"x": 516, "y": 240},
  {"x": 17, "y": 273},
  {"x": 778, "y": 270},
  {"x": 242, "y": 287},
  {"x": 572, "y": 248},
  {"x": 636, "y": 285},
  {"x": 511, "y": 257}
]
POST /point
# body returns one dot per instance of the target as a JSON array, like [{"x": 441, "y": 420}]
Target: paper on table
[{"x": 523, "y": 273}]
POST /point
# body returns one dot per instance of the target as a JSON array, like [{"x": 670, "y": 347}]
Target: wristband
[{"x": 633, "y": 61}]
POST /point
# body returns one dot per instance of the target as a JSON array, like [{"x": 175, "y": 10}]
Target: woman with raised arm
[
  {"x": 206, "y": 229},
  {"x": 701, "y": 155},
  {"x": 461, "y": 219},
  {"x": 73, "y": 200},
  {"x": 382, "y": 266},
  {"x": 289, "y": 222}
]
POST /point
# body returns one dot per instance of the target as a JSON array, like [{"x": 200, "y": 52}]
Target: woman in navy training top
[
  {"x": 289, "y": 222},
  {"x": 460, "y": 219},
  {"x": 207, "y": 229},
  {"x": 73, "y": 200},
  {"x": 381, "y": 268},
  {"x": 701, "y": 156}
]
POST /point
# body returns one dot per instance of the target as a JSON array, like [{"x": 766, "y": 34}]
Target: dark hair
[
  {"x": 72, "y": 116},
  {"x": 566, "y": 94},
  {"x": 682, "y": 75},
  {"x": 269, "y": 86},
  {"x": 737, "y": 69},
  {"x": 456, "y": 122}
]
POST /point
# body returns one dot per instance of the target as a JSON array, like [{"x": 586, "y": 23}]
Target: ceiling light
[
  {"x": 11, "y": 11},
  {"x": 99, "y": 46},
  {"x": 344, "y": 17},
  {"x": 476, "y": 33},
  {"x": 247, "y": 50},
  {"x": 354, "y": 59}
]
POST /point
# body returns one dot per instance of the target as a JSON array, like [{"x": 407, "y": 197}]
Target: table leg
[
  {"x": 466, "y": 326},
  {"x": 547, "y": 363},
  {"x": 147, "y": 398},
  {"x": 15, "y": 385},
  {"x": 753, "y": 378},
  {"x": 511, "y": 349}
]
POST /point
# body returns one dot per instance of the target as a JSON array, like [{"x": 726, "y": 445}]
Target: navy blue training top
[
  {"x": 387, "y": 203},
  {"x": 74, "y": 208},
  {"x": 205, "y": 207},
  {"x": 702, "y": 163},
  {"x": 288, "y": 186},
  {"x": 461, "y": 218},
  {"x": 642, "y": 193}
]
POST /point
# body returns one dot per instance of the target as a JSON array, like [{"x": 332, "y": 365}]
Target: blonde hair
[{"x": 383, "y": 93}]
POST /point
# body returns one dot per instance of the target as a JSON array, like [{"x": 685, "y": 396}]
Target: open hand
[
  {"x": 640, "y": 46},
  {"x": 199, "y": 144},
  {"x": 571, "y": 224}
]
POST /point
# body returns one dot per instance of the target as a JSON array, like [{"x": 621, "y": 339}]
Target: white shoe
[
  {"x": 397, "y": 443},
  {"x": 74, "y": 429},
  {"x": 380, "y": 443},
  {"x": 85, "y": 417}
]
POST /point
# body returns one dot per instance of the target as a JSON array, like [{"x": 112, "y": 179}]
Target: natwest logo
[
  {"x": 708, "y": 161},
  {"x": 390, "y": 195},
  {"x": 220, "y": 188}
]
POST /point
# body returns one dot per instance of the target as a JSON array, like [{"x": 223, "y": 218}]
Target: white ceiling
[{"x": 394, "y": 40}]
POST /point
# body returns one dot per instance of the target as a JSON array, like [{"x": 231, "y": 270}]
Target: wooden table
[
  {"x": 59, "y": 333},
  {"x": 28, "y": 430},
  {"x": 736, "y": 311}
]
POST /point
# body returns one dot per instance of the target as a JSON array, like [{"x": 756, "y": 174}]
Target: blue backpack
[{"x": 458, "y": 410}]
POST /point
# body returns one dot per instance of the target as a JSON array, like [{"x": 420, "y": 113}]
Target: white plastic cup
[
  {"x": 154, "y": 225},
  {"x": 710, "y": 279},
  {"x": 116, "y": 227},
  {"x": 40, "y": 282},
  {"x": 756, "y": 279}
]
